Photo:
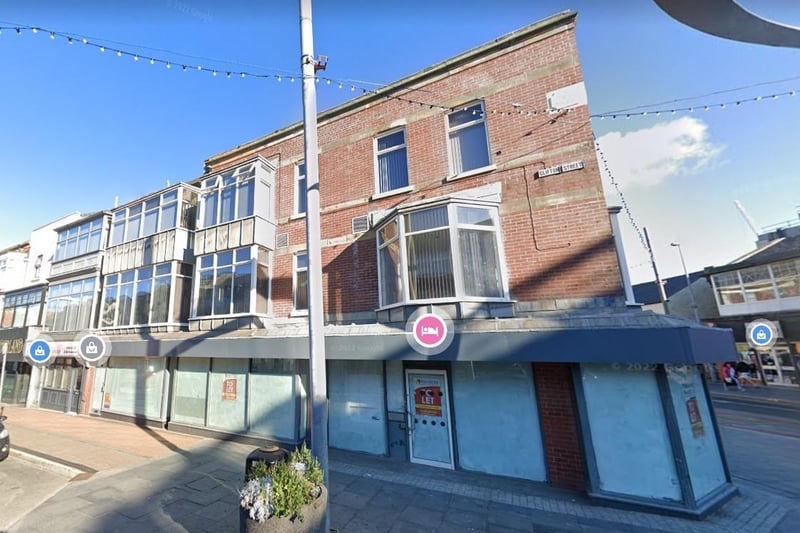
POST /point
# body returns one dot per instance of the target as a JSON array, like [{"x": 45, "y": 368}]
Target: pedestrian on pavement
[{"x": 730, "y": 374}]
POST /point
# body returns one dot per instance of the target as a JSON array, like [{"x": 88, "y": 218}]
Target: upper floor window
[
  {"x": 300, "y": 285},
  {"x": 759, "y": 283},
  {"x": 22, "y": 309},
  {"x": 467, "y": 139},
  {"x": 230, "y": 282},
  {"x": 69, "y": 305},
  {"x": 228, "y": 196},
  {"x": 300, "y": 189},
  {"x": 442, "y": 252},
  {"x": 391, "y": 162},
  {"x": 140, "y": 296},
  {"x": 151, "y": 216},
  {"x": 79, "y": 240}
]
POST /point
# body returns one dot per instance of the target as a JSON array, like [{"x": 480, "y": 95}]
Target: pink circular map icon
[{"x": 430, "y": 330}]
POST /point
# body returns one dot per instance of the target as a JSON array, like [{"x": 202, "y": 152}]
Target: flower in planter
[{"x": 283, "y": 488}]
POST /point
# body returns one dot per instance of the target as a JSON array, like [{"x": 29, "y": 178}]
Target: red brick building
[{"x": 467, "y": 195}]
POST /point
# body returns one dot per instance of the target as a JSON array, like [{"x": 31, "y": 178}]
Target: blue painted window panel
[
  {"x": 497, "y": 420},
  {"x": 697, "y": 432},
  {"x": 629, "y": 432},
  {"x": 357, "y": 419}
]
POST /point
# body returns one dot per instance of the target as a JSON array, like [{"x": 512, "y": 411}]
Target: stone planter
[{"x": 313, "y": 520}]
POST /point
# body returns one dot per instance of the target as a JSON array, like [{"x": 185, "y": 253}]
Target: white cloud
[{"x": 646, "y": 157}]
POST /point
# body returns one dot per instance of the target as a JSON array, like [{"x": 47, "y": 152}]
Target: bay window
[
  {"x": 228, "y": 196},
  {"x": 153, "y": 215},
  {"x": 447, "y": 251},
  {"x": 227, "y": 280},
  {"x": 79, "y": 240},
  {"x": 138, "y": 297},
  {"x": 69, "y": 305},
  {"x": 22, "y": 309}
]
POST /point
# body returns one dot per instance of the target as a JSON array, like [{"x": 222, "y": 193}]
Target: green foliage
[
  {"x": 258, "y": 470},
  {"x": 294, "y": 483}
]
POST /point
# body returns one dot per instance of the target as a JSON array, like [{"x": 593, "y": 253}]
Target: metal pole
[
  {"x": 3, "y": 370},
  {"x": 318, "y": 396},
  {"x": 688, "y": 281},
  {"x": 664, "y": 300}
]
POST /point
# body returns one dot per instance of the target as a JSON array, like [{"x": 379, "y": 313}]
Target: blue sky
[{"x": 80, "y": 127}]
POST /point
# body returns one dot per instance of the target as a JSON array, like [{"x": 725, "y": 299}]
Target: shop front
[{"x": 16, "y": 372}]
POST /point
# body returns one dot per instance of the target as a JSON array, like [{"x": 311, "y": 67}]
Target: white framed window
[
  {"x": 225, "y": 283},
  {"x": 21, "y": 309},
  {"x": 300, "y": 197},
  {"x": 137, "y": 297},
  {"x": 300, "y": 282},
  {"x": 69, "y": 305},
  {"x": 151, "y": 216},
  {"x": 441, "y": 252},
  {"x": 79, "y": 240},
  {"x": 391, "y": 161},
  {"x": 228, "y": 196},
  {"x": 467, "y": 138}
]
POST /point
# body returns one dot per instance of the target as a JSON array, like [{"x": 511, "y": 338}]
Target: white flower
[{"x": 255, "y": 497}]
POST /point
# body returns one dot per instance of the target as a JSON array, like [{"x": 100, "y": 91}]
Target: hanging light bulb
[
  {"x": 152, "y": 61},
  {"x": 184, "y": 68},
  {"x": 35, "y": 30},
  {"x": 169, "y": 65},
  {"x": 341, "y": 85},
  {"x": 243, "y": 74},
  {"x": 136, "y": 57},
  {"x": 279, "y": 78},
  {"x": 52, "y": 35},
  {"x": 199, "y": 67},
  {"x": 85, "y": 40},
  {"x": 19, "y": 31},
  {"x": 228, "y": 75},
  {"x": 291, "y": 79},
  {"x": 119, "y": 53},
  {"x": 69, "y": 40},
  {"x": 327, "y": 82},
  {"x": 102, "y": 48},
  {"x": 214, "y": 73}
]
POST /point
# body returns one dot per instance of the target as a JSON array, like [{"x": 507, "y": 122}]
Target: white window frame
[
  {"x": 300, "y": 192},
  {"x": 457, "y": 170},
  {"x": 455, "y": 253},
  {"x": 376, "y": 161},
  {"x": 60, "y": 292},
  {"x": 295, "y": 271},
  {"x": 215, "y": 185},
  {"x": 122, "y": 218},
  {"x": 89, "y": 230},
  {"x": 253, "y": 264}
]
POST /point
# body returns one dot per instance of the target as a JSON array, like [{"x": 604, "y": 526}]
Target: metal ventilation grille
[
  {"x": 281, "y": 240},
  {"x": 361, "y": 224}
]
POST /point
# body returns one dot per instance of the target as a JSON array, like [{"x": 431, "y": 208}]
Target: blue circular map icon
[
  {"x": 762, "y": 334},
  {"x": 40, "y": 351}
]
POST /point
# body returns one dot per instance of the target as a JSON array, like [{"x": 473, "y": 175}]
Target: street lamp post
[{"x": 688, "y": 281}]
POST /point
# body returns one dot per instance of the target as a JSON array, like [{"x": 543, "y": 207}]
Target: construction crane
[{"x": 747, "y": 218}]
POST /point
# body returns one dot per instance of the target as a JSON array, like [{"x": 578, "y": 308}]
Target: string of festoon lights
[
  {"x": 509, "y": 109},
  {"x": 692, "y": 109}
]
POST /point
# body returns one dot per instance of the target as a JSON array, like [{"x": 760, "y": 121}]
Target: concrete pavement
[{"x": 141, "y": 479}]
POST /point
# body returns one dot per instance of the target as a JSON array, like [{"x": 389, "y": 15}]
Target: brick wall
[
  {"x": 556, "y": 230},
  {"x": 559, "y": 419}
]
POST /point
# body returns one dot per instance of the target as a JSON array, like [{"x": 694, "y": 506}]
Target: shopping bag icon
[
  {"x": 39, "y": 351},
  {"x": 91, "y": 348}
]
